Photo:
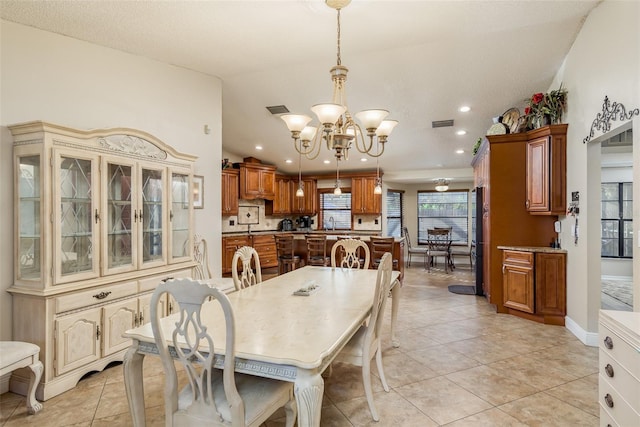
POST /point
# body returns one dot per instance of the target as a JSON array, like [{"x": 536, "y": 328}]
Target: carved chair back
[
  {"x": 247, "y": 256},
  {"x": 201, "y": 256},
  {"x": 351, "y": 255}
]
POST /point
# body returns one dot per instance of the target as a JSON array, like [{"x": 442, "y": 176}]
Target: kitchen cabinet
[
  {"x": 307, "y": 205},
  {"x": 282, "y": 203},
  {"x": 534, "y": 282},
  {"x": 265, "y": 246},
  {"x": 257, "y": 181},
  {"x": 546, "y": 170},
  {"x": 500, "y": 169},
  {"x": 363, "y": 200},
  {"x": 96, "y": 213},
  {"x": 229, "y": 247},
  {"x": 230, "y": 191},
  {"x": 619, "y": 370}
]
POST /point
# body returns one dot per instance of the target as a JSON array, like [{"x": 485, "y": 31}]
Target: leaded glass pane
[
  {"x": 179, "y": 214},
  {"x": 119, "y": 206},
  {"x": 151, "y": 215},
  {"x": 76, "y": 220},
  {"x": 29, "y": 218}
]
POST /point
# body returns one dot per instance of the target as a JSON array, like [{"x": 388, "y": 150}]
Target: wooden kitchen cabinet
[
  {"x": 534, "y": 282},
  {"x": 230, "y": 191},
  {"x": 307, "y": 205},
  {"x": 229, "y": 247},
  {"x": 546, "y": 170},
  {"x": 282, "y": 203},
  {"x": 257, "y": 181},
  {"x": 363, "y": 200},
  {"x": 265, "y": 246}
]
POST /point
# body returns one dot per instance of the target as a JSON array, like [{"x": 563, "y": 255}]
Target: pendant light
[{"x": 300, "y": 190}]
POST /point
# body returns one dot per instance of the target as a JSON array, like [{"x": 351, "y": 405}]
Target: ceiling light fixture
[
  {"x": 339, "y": 129},
  {"x": 465, "y": 109},
  {"x": 258, "y": 147},
  {"x": 461, "y": 132},
  {"x": 442, "y": 184},
  {"x": 300, "y": 190}
]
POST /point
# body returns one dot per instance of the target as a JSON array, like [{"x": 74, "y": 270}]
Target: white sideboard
[{"x": 619, "y": 372}]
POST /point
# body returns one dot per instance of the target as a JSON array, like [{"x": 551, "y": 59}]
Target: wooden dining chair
[
  {"x": 365, "y": 344},
  {"x": 211, "y": 396},
  {"x": 412, "y": 250},
  {"x": 317, "y": 251},
  {"x": 287, "y": 259},
  {"x": 201, "y": 256},
  {"x": 349, "y": 255},
  {"x": 246, "y": 255},
  {"x": 379, "y": 247},
  {"x": 438, "y": 244}
]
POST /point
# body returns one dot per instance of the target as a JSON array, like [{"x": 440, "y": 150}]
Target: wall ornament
[{"x": 610, "y": 112}]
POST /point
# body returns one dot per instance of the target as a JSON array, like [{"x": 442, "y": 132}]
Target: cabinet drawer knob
[
  {"x": 608, "y": 400},
  {"x": 102, "y": 295},
  {"x": 609, "y": 370},
  {"x": 608, "y": 342}
]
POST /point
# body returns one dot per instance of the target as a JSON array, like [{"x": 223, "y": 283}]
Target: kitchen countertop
[
  {"x": 300, "y": 235},
  {"x": 542, "y": 249}
]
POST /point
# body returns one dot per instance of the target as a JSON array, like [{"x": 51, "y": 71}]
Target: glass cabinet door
[
  {"x": 151, "y": 217},
  {"x": 180, "y": 217},
  {"x": 119, "y": 222},
  {"x": 29, "y": 263},
  {"x": 77, "y": 218}
]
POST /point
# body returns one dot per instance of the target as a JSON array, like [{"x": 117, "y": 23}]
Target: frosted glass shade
[
  {"x": 308, "y": 133},
  {"x": 295, "y": 122},
  {"x": 377, "y": 189},
  {"x": 386, "y": 127},
  {"x": 300, "y": 192},
  {"x": 328, "y": 113},
  {"x": 371, "y": 119}
]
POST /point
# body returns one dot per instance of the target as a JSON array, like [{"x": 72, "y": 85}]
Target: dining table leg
[
  {"x": 133, "y": 384},
  {"x": 308, "y": 390},
  {"x": 395, "y": 303}
]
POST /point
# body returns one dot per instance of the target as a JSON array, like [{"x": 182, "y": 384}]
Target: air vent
[
  {"x": 278, "y": 109},
  {"x": 442, "y": 123}
]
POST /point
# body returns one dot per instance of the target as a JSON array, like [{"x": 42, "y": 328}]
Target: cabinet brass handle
[
  {"x": 608, "y": 342},
  {"x": 609, "y": 370},
  {"x": 97, "y": 332},
  {"x": 171, "y": 216},
  {"x": 135, "y": 216},
  {"x": 135, "y": 319},
  {"x": 141, "y": 318},
  {"x": 170, "y": 308},
  {"x": 102, "y": 295},
  {"x": 97, "y": 216},
  {"x": 166, "y": 279},
  {"x": 140, "y": 216},
  {"x": 527, "y": 204},
  {"x": 608, "y": 400},
  {"x": 503, "y": 268}
]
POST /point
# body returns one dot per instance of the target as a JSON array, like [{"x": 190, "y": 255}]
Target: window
[
  {"x": 444, "y": 209},
  {"x": 335, "y": 211},
  {"x": 394, "y": 213},
  {"x": 616, "y": 223}
]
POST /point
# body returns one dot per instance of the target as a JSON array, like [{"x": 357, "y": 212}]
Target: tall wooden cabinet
[
  {"x": 230, "y": 191},
  {"x": 363, "y": 200},
  {"x": 100, "y": 218},
  {"x": 307, "y": 205},
  {"x": 500, "y": 168}
]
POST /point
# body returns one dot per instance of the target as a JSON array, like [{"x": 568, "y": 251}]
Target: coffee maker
[
  {"x": 286, "y": 225},
  {"x": 304, "y": 222}
]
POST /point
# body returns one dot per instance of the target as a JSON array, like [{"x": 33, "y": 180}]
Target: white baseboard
[
  {"x": 587, "y": 338},
  {"x": 614, "y": 278}
]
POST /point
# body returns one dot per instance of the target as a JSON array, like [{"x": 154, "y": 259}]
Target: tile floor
[{"x": 459, "y": 364}]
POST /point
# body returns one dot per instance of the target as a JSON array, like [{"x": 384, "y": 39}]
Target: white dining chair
[
  {"x": 365, "y": 344},
  {"x": 247, "y": 277},
  {"x": 212, "y": 397},
  {"x": 350, "y": 254},
  {"x": 201, "y": 256}
]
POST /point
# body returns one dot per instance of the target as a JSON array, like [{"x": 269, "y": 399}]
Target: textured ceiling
[{"x": 421, "y": 60}]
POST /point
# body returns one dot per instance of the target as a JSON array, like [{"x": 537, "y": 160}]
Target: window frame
[
  {"x": 620, "y": 221},
  {"x": 320, "y": 192},
  {"x": 401, "y": 217},
  {"x": 467, "y": 217}
]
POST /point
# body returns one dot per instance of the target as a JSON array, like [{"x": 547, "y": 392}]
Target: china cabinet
[
  {"x": 230, "y": 191},
  {"x": 101, "y": 217}
]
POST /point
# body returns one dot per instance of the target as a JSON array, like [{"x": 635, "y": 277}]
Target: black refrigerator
[{"x": 477, "y": 240}]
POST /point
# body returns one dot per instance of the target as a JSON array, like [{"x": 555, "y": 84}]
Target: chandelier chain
[{"x": 339, "y": 58}]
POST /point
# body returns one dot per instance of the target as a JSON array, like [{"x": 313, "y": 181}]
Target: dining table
[{"x": 279, "y": 334}]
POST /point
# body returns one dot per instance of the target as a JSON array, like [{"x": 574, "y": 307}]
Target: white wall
[
  {"x": 58, "y": 79},
  {"x": 604, "y": 60}
]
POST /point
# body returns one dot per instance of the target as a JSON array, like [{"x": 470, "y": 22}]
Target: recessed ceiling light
[
  {"x": 288, "y": 161},
  {"x": 364, "y": 159},
  {"x": 258, "y": 147},
  {"x": 461, "y": 132},
  {"x": 465, "y": 109},
  {"x": 326, "y": 162},
  {"x": 459, "y": 151}
]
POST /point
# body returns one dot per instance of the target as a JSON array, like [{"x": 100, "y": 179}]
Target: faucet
[{"x": 333, "y": 223}]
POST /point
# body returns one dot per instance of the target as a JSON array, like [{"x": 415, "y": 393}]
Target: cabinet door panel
[
  {"x": 517, "y": 281},
  {"x": 180, "y": 216},
  {"x": 77, "y": 340},
  {"x": 551, "y": 284},
  {"x": 76, "y": 247},
  {"x": 538, "y": 174},
  {"x": 118, "y": 318},
  {"x": 151, "y": 217},
  {"x": 144, "y": 313}
]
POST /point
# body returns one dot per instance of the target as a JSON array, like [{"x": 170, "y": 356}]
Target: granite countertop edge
[{"x": 541, "y": 249}]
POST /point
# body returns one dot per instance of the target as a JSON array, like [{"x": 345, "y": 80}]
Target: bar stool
[
  {"x": 317, "y": 251},
  {"x": 380, "y": 246},
  {"x": 287, "y": 259}
]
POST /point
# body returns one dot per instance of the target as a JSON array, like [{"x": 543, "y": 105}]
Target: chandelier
[
  {"x": 338, "y": 128},
  {"x": 442, "y": 184}
]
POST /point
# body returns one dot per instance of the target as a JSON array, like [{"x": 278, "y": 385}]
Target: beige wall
[
  {"x": 58, "y": 79},
  {"x": 604, "y": 60}
]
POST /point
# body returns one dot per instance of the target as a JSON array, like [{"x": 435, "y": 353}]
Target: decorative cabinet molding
[
  {"x": 230, "y": 191},
  {"x": 100, "y": 218}
]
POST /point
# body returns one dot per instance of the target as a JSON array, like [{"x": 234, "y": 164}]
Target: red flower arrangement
[{"x": 545, "y": 107}]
